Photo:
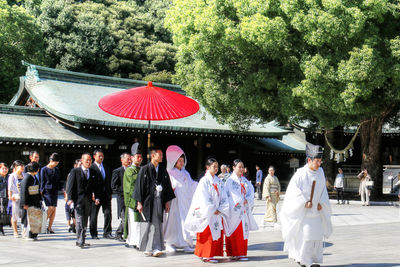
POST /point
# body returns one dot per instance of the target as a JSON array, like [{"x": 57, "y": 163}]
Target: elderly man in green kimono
[{"x": 132, "y": 227}]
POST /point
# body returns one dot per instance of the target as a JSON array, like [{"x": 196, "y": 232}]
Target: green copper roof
[
  {"x": 74, "y": 97},
  {"x": 25, "y": 124}
]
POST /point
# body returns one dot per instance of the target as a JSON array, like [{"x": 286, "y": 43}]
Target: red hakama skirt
[
  {"x": 206, "y": 247},
  {"x": 235, "y": 244}
]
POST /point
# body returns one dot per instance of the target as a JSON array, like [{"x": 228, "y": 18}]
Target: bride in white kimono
[
  {"x": 240, "y": 221},
  {"x": 183, "y": 185},
  {"x": 306, "y": 220}
]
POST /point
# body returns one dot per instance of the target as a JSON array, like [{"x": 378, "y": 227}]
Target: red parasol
[{"x": 148, "y": 103}]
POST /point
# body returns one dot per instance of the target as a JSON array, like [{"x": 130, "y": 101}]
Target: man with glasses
[{"x": 306, "y": 211}]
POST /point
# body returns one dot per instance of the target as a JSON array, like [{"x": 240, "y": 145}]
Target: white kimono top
[
  {"x": 209, "y": 197},
  {"x": 184, "y": 188},
  {"x": 294, "y": 216},
  {"x": 238, "y": 190}
]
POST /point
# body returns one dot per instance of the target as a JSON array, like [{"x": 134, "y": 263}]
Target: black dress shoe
[
  {"x": 95, "y": 237},
  {"x": 120, "y": 238},
  {"x": 129, "y": 246},
  {"x": 109, "y": 236}
]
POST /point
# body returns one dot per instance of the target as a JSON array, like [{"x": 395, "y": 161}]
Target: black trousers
[
  {"x": 340, "y": 195},
  {"x": 82, "y": 211},
  {"x": 259, "y": 191},
  {"x": 105, "y": 203},
  {"x": 24, "y": 217},
  {"x": 121, "y": 215}
]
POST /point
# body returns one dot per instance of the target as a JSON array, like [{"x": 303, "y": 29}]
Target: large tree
[
  {"x": 331, "y": 61},
  {"x": 120, "y": 38},
  {"x": 20, "y": 39}
]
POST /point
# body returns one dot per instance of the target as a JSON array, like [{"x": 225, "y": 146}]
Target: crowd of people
[{"x": 161, "y": 208}]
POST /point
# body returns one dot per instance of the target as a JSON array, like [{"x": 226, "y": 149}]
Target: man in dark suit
[
  {"x": 117, "y": 183},
  {"x": 81, "y": 190},
  {"x": 153, "y": 193},
  {"x": 104, "y": 185}
]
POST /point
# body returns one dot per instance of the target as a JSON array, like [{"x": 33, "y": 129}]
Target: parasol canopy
[{"x": 148, "y": 103}]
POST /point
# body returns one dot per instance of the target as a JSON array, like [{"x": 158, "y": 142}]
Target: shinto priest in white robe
[
  {"x": 209, "y": 197},
  {"x": 304, "y": 229},
  {"x": 238, "y": 190},
  {"x": 184, "y": 188}
]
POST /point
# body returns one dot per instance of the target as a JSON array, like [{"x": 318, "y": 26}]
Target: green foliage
[
  {"x": 119, "y": 38},
  {"x": 19, "y": 40},
  {"x": 142, "y": 48},
  {"x": 76, "y": 35},
  {"x": 332, "y": 61}
]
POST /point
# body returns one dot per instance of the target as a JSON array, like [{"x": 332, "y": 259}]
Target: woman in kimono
[
  {"x": 184, "y": 187},
  {"x": 4, "y": 217},
  {"x": 240, "y": 221},
  {"x": 31, "y": 199},
  {"x": 271, "y": 192},
  {"x": 208, "y": 206}
]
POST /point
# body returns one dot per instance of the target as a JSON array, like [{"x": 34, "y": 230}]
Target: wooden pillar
[
  {"x": 200, "y": 155},
  {"x": 143, "y": 146}
]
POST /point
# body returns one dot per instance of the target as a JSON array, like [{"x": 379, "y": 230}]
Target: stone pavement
[{"x": 362, "y": 236}]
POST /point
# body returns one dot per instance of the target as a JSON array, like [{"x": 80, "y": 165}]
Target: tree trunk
[
  {"x": 335, "y": 137},
  {"x": 371, "y": 146}
]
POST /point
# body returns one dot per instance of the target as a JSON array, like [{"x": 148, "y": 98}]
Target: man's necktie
[
  {"x": 102, "y": 171},
  {"x": 86, "y": 173}
]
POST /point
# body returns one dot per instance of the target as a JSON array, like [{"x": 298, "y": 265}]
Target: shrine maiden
[
  {"x": 208, "y": 206},
  {"x": 240, "y": 221}
]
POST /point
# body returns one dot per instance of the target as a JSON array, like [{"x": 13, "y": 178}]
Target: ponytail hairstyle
[
  {"x": 17, "y": 163},
  {"x": 236, "y": 162},
  {"x": 55, "y": 157},
  {"x": 210, "y": 161}
]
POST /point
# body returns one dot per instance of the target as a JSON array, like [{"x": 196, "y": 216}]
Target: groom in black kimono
[{"x": 153, "y": 193}]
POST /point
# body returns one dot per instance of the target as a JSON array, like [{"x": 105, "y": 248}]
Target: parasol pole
[{"x": 148, "y": 142}]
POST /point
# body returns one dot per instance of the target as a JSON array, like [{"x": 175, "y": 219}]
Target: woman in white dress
[
  {"x": 184, "y": 187},
  {"x": 14, "y": 181}
]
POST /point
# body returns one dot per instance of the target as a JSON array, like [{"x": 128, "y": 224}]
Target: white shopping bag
[{"x": 44, "y": 220}]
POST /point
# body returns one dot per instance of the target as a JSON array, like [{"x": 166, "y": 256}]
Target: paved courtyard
[{"x": 362, "y": 236}]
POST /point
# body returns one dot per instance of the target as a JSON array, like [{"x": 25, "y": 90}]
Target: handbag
[
  {"x": 369, "y": 185},
  {"x": 35, "y": 219}
]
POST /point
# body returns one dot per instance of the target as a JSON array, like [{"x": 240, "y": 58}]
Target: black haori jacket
[
  {"x": 30, "y": 193},
  {"x": 145, "y": 188}
]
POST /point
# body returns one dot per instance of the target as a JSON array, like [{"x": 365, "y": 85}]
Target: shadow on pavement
[
  {"x": 367, "y": 265},
  {"x": 107, "y": 245},
  {"x": 345, "y": 214},
  {"x": 272, "y": 246},
  {"x": 275, "y": 246},
  {"x": 253, "y": 258}
]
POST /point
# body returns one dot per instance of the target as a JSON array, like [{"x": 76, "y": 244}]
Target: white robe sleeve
[
  {"x": 205, "y": 202},
  {"x": 293, "y": 208}
]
